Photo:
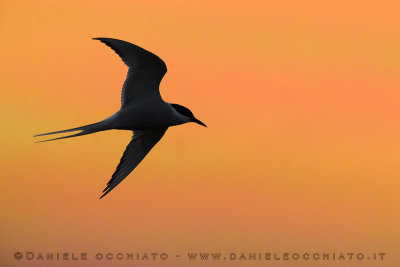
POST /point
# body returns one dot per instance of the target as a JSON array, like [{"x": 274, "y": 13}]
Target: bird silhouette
[{"x": 142, "y": 111}]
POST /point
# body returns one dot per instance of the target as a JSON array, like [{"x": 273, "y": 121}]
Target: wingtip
[
  {"x": 103, "y": 195},
  {"x": 105, "y": 191},
  {"x": 101, "y": 39}
]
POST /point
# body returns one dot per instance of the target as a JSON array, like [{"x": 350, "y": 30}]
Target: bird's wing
[
  {"x": 145, "y": 73},
  {"x": 142, "y": 142}
]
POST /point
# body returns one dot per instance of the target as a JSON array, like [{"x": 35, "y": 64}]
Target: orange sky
[{"x": 301, "y": 153}]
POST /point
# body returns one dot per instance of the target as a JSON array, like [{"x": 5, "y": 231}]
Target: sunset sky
[{"x": 301, "y": 153}]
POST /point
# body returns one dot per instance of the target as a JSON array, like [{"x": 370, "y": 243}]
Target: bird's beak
[{"x": 198, "y": 122}]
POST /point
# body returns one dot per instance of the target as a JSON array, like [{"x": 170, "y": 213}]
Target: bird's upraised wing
[
  {"x": 145, "y": 73},
  {"x": 142, "y": 142}
]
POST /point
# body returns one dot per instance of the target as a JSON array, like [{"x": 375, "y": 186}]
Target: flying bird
[{"x": 142, "y": 111}]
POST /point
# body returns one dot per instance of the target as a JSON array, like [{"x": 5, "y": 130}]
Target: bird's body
[
  {"x": 137, "y": 117},
  {"x": 142, "y": 111}
]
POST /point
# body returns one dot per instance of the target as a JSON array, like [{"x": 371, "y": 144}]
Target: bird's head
[{"x": 184, "y": 111}]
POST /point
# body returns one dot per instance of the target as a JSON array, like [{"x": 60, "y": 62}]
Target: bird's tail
[{"x": 86, "y": 129}]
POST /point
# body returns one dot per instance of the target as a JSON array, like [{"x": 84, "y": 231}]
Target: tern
[{"x": 143, "y": 111}]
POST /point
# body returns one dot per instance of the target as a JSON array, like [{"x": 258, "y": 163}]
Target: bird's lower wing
[{"x": 142, "y": 142}]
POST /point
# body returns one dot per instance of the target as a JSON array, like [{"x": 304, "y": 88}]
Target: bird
[{"x": 142, "y": 111}]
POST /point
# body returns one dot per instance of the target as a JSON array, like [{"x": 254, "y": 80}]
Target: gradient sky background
[{"x": 301, "y": 153}]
